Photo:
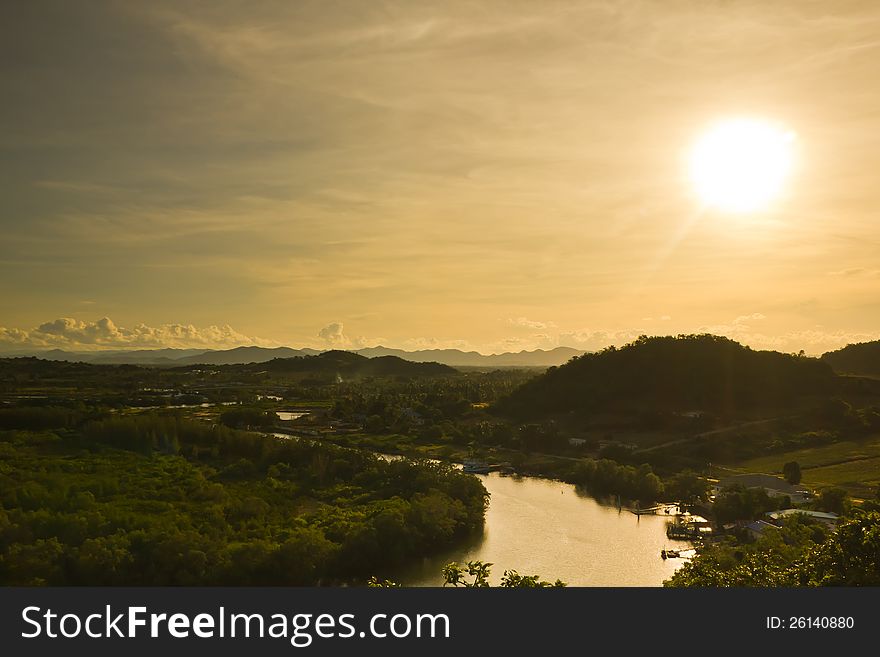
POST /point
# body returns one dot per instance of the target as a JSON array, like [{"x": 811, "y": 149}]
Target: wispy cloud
[
  {"x": 856, "y": 272},
  {"x": 525, "y": 322}
]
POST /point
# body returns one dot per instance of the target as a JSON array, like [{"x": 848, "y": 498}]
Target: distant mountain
[
  {"x": 111, "y": 357},
  {"x": 458, "y": 358},
  {"x": 699, "y": 372},
  {"x": 243, "y": 355},
  {"x": 861, "y": 358},
  {"x": 349, "y": 364},
  {"x": 142, "y": 356}
]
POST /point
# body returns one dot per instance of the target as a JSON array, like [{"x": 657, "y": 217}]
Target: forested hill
[
  {"x": 691, "y": 372},
  {"x": 348, "y": 364},
  {"x": 328, "y": 364},
  {"x": 862, "y": 358}
]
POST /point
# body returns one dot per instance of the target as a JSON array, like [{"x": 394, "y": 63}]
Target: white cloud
[
  {"x": 333, "y": 335},
  {"x": 77, "y": 335},
  {"x": 743, "y": 321},
  {"x": 69, "y": 333},
  {"x": 814, "y": 341},
  {"x": 595, "y": 339}
]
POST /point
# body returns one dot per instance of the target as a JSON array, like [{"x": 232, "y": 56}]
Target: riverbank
[
  {"x": 550, "y": 528},
  {"x": 602, "y": 478}
]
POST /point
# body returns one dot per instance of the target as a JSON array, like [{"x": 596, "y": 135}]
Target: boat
[{"x": 475, "y": 467}]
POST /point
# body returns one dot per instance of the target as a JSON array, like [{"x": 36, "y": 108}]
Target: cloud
[
  {"x": 814, "y": 341},
  {"x": 13, "y": 336},
  {"x": 334, "y": 337},
  {"x": 69, "y": 333},
  {"x": 525, "y": 322},
  {"x": 595, "y": 339},
  {"x": 77, "y": 335},
  {"x": 333, "y": 334},
  {"x": 744, "y": 320},
  {"x": 853, "y": 272}
]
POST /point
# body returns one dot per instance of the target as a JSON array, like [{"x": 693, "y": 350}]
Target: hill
[
  {"x": 344, "y": 364},
  {"x": 862, "y": 358},
  {"x": 458, "y": 358},
  {"x": 253, "y": 354},
  {"x": 243, "y": 355},
  {"x": 694, "y": 372},
  {"x": 329, "y": 365}
]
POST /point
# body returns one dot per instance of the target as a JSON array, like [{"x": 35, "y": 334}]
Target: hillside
[
  {"x": 253, "y": 354},
  {"x": 346, "y": 365},
  {"x": 458, "y": 358},
  {"x": 697, "y": 372},
  {"x": 244, "y": 355},
  {"x": 327, "y": 365},
  {"x": 862, "y": 358}
]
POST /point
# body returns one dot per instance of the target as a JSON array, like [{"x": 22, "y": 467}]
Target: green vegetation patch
[{"x": 151, "y": 500}]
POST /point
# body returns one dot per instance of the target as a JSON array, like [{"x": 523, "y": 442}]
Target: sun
[{"x": 741, "y": 165}]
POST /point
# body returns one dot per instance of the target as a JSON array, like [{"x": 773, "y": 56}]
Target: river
[{"x": 544, "y": 527}]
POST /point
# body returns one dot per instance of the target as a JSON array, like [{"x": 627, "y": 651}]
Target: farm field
[{"x": 853, "y": 465}]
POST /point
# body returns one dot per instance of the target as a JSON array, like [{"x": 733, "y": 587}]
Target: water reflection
[
  {"x": 290, "y": 415},
  {"x": 538, "y": 526}
]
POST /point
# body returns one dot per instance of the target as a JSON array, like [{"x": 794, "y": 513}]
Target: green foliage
[
  {"x": 792, "y": 472},
  {"x": 798, "y": 554},
  {"x": 851, "y": 557},
  {"x": 834, "y": 500},
  {"x": 740, "y": 503},
  {"x": 605, "y": 477},
  {"x": 686, "y": 486},
  {"x": 244, "y": 417},
  {"x": 157, "y": 500},
  {"x": 475, "y": 574}
]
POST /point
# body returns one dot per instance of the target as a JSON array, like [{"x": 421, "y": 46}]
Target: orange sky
[{"x": 488, "y": 175}]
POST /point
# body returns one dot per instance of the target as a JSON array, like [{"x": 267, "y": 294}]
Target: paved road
[{"x": 713, "y": 432}]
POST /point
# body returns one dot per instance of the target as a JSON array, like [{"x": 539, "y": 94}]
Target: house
[
  {"x": 774, "y": 486},
  {"x": 756, "y": 528},
  {"x": 829, "y": 519}
]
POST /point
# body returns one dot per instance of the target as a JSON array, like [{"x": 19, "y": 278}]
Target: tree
[
  {"x": 834, "y": 500},
  {"x": 800, "y": 553},
  {"x": 792, "y": 472},
  {"x": 739, "y": 503},
  {"x": 455, "y": 574},
  {"x": 686, "y": 486},
  {"x": 852, "y": 556},
  {"x": 475, "y": 574}
]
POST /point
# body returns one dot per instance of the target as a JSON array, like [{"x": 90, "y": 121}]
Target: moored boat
[{"x": 475, "y": 467}]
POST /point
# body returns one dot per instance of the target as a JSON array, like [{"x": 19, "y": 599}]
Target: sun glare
[{"x": 741, "y": 165}]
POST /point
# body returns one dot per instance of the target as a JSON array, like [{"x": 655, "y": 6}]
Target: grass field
[{"x": 853, "y": 465}]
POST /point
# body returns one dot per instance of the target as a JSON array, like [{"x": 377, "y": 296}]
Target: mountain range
[{"x": 244, "y": 355}]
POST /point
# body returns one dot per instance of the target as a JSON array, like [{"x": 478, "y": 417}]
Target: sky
[{"x": 484, "y": 175}]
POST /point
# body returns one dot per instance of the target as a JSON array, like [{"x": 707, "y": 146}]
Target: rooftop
[
  {"x": 754, "y": 480},
  {"x": 818, "y": 515}
]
